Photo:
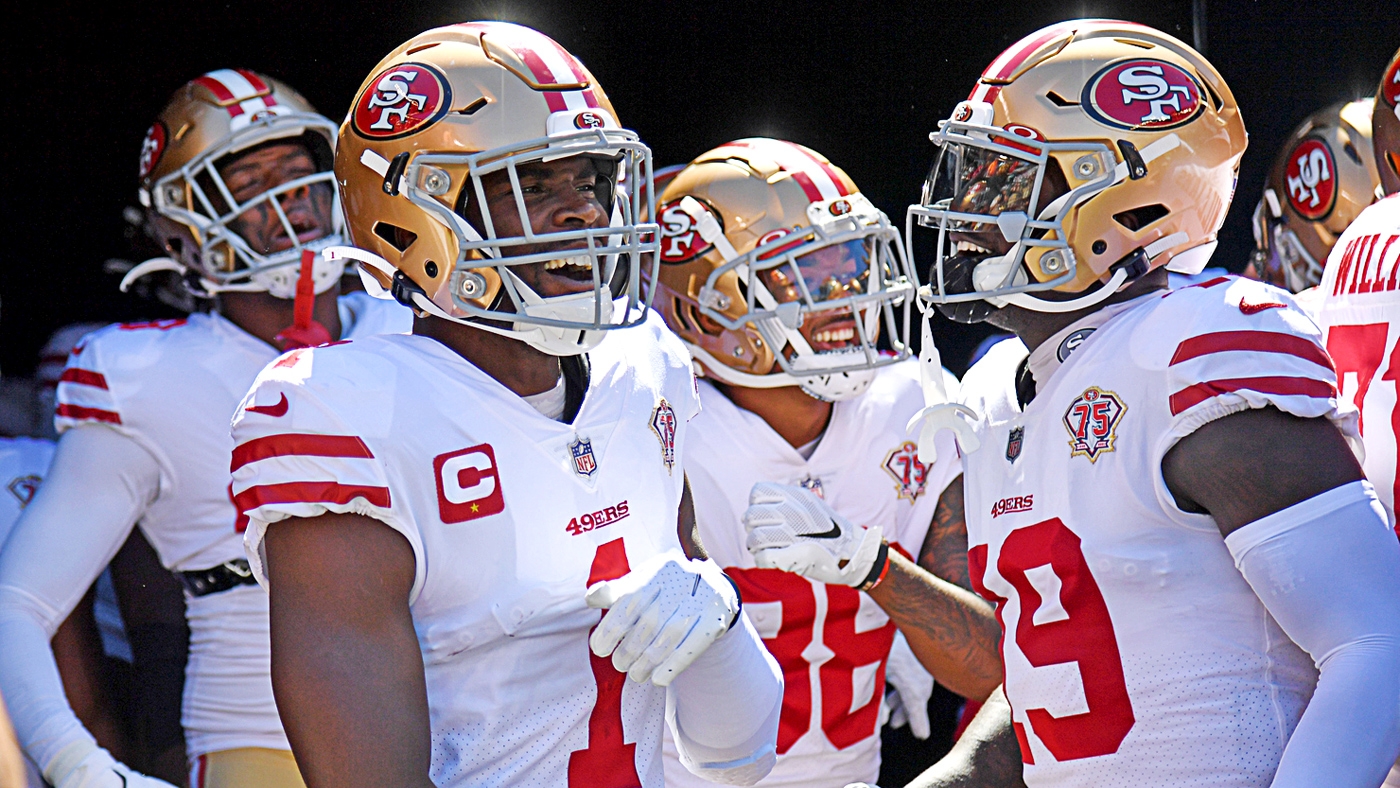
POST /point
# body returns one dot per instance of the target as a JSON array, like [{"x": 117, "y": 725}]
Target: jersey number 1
[
  {"x": 1077, "y": 629},
  {"x": 607, "y": 761}
]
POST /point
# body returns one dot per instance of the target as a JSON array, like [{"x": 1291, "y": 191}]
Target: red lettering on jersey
[
  {"x": 608, "y": 761},
  {"x": 589, "y": 521},
  {"x": 468, "y": 484},
  {"x": 1012, "y": 505},
  {"x": 1360, "y": 350},
  {"x": 1367, "y": 267},
  {"x": 1079, "y": 629}
]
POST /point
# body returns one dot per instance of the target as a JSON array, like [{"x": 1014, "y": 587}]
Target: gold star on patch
[{"x": 476, "y": 508}]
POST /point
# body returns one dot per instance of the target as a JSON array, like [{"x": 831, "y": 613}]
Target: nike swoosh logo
[
  {"x": 275, "y": 411},
  {"x": 832, "y": 534},
  {"x": 1254, "y": 309}
]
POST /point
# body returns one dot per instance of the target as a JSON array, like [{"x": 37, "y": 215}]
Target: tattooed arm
[
  {"x": 987, "y": 755},
  {"x": 952, "y": 631}
]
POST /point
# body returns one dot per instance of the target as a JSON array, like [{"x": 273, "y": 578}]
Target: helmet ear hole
[
  {"x": 701, "y": 323},
  {"x": 398, "y": 237},
  {"x": 1139, "y": 218}
]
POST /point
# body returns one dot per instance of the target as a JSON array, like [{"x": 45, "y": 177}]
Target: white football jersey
[
  {"x": 1135, "y": 652},
  {"x": 172, "y": 386},
  {"x": 831, "y": 641},
  {"x": 23, "y": 463},
  {"x": 511, "y": 516},
  {"x": 1358, "y": 306}
]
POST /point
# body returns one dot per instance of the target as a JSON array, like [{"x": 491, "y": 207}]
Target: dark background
[{"x": 861, "y": 82}]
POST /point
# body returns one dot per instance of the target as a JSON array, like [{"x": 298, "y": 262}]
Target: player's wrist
[{"x": 878, "y": 569}]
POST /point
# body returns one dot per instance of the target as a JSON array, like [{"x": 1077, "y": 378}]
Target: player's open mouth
[
  {"x": 306, "y": 233},
  {"x": 578, "y": 267},
  {"x": 836, "y": 333}
]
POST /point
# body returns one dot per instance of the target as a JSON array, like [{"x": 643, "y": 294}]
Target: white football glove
[
  {"x": 791, "y": 529},
  {"x": 662, "y": 615},
  {"x": 83, "y": 764},
  {"x": 913, "y": 686}
]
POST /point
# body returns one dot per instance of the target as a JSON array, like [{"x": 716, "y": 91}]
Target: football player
[
  {"x": 1197, "y": 583},
  {"x": 439, "y": 516},
  {"x": 1359, "y": 309},
  {"x": 1324, "y": 177},
  {"x": 779, "y": 275},
  {"x": 235, "y": 174}
]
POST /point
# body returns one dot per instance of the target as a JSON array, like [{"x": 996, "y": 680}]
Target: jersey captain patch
[
  {"x": 1092, "y": 420},
  {"x": 910, "y": 475}
]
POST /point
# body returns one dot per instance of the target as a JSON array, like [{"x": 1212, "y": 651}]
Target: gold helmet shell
[
  {"x": 218, "y": 115},
  {"x": 1324, "y": 177},
  {"x": 776, "y": 271},
  {"x": 1140, "y": 133},
  {"x": 452, "y": 105}
]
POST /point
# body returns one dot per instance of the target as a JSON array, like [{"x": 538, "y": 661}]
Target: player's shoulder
[
  {"x": 143, "y": 343},
  {"x": 898, "y": 386},
  {"x": 361, "y": 314},
  {"x": 991, "y": 382},
  {"x": 1224, "y": 313},
  {"x": 343, "y": 366},
  {"x": 650, "y": 340}
]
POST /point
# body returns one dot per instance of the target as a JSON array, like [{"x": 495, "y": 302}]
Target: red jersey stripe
[
  {"x": 84, "y": 377},
  {"x": 1252, "y": 341},
  {"x": 81, "y": 413},
  {"x": 1192, "y": 396},
  {"x": 297, "y": 443},
  {"x": 309, "y": 492}
]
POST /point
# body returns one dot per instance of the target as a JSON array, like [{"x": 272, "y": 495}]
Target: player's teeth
[
  {"x": 967, "y": 246},
  {"x": 578, "y": 261},
  {"x": 835, "y": 335}
]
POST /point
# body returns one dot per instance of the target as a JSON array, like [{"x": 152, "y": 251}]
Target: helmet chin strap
[
  {"x": 1028, "y": 301},
  {"x": 829, "y": 387}
]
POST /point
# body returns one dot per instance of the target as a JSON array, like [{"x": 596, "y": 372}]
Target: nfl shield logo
[
  {"x": 1013, "y": 443},
  {"x": 663, "y": 423},
  {"x": 582, "y": 452}
]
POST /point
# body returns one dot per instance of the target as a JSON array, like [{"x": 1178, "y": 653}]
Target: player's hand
[
  {"x": 83, "y": 764},
  {"x": 791, "y": 529},
  {"x": 662, "y": 615},
  {"x": 913, "y": 686}
]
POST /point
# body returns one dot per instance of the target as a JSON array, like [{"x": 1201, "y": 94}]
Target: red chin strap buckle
[{"x": 304, "y": 330}]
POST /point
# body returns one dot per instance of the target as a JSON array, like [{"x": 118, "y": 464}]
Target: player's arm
[
  {"x": 1309, "y": 536},
  {"x": 346, "y": 668},
  {"x": 952, "y": 631},
  {"x": 77, "y": 650},
  {"x": 99, "y": 483},
  {"x": 678, "y": 624},
  {"x": 987, "y": 755}
]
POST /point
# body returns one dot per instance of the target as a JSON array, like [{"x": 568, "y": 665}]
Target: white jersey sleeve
[
  {"x": 1230, "y": 345},
  {"x": 297, "y": 455}
]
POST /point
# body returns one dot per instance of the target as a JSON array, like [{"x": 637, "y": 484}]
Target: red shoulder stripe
[
  {"x": 307, "y": 492},
  {"x": 290, "y": 444},
  {"x": 84, "y": 377},
  {"x": 1192, "y": 396},
  {"x": 1252, "y": 341},
  {"x": 81, "y": 413}
]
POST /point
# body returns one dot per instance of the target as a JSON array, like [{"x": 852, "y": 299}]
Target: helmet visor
[
  {"x": 972, "y": 182},
  {"x": 830, "y": 273}
]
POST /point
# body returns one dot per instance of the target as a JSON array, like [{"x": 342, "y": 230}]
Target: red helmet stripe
[
  {"x": 817, "y": 179},
  {"x": 220, "y": 91},
  {"x": 1007, "y": 62},
  {"x": 253, "y": 79},
  {"x": 548, "y": 62}
]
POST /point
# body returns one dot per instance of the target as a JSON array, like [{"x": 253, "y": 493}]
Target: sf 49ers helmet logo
[
  {"x": 1311, "y": 179},
  {"x": 1142, "y": 95},
  {"x": 680, "y": 236},
  {"x": 1092, "y": 420},
  {"x": 151, "y": 149},
  {"x": 910, "y": 475},
  {"x": 1390, "y": 85},
  {"x": 401, "y": 100},
  {"x": 589, "y": 119}
]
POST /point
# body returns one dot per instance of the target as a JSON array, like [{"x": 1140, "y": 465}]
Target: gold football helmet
[
  {"x": 451, "y": 106},
  {"x": 211, "y": 119},
  {"x": 1324, "y": 177},
  {"x": 1097, "y": 150},
  {"x": 1385, "y": 126},
  {"x": 777, "y": 271}
]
